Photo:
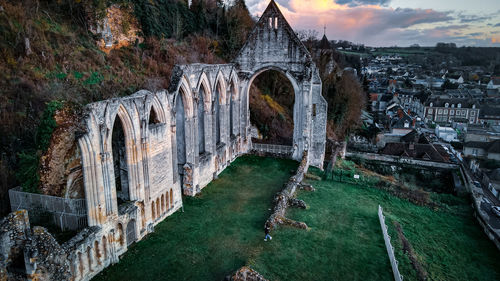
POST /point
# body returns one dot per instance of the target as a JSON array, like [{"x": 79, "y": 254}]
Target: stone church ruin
[{"x": 141, "y": 153}]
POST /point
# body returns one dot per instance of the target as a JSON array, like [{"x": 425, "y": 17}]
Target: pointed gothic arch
[
  {"x": 128, "y": 168},
  {"x": 204, "y": 83},
  {"x": 203, "y": 108},
  {"x": 183, "y": 114},
  {"x": 283, "y": 121},
  {"x": 92, "y": 173},
  {"x": 218, "y": 106},
  {"x": 220, "y": 84},
  {"x": 158, "y": 110},
  {"x": 273, "y": 43},
  {"x": 233, "y": 106}
]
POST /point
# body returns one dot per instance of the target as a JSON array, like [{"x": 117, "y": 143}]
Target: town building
[{"x": 442, "y": 110}]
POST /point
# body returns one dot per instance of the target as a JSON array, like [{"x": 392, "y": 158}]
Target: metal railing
[
  {"x": 272, "y": 148},
  {"x": 66, "y": 213},
  {"x": 388, "y": 246}
]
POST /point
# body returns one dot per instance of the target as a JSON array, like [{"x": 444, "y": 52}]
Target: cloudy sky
[{"x": 395, "y": 22}]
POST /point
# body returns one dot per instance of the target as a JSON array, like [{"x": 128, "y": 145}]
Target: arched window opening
[
  {"x": 158, "y": 213},
  {"x": 104, "y": 249},
  {"x": 153, "y": 117},
  {"x": 120, "y": 162},
  {"x": 120, "y": 234},
  {"x": 201, "y": 121},
  {"x": 171, "y": 198},
  {"x": 153, "y": 212},
  {"x": 231, "y": 109},
  {"x": 97, "y": 252},
  {"x": 131, "y": 232},
  {"x": 89, "y": 258},
  {"x": 180, "y": 131},
  {"x": 80, "y": 264},
  {"x": 162, "y": 203},
  {"x": 272, "y": 100},
  {"x": 217, "y": 115}
]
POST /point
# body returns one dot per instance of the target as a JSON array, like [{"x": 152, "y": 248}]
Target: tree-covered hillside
[
  {"x": 50, "y": 56},
  {"x": 59, "y": 55}
]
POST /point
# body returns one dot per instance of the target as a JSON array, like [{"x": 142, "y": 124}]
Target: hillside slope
[{"x": 77, "y": 52}]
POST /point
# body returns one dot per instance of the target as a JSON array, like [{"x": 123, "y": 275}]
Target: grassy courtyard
[{"x": 222, "y": 230}]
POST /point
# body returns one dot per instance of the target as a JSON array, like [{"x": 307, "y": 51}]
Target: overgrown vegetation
[
  {"x": 29, "y": 158},
  {"x": 272, "y": 98},
  {"x": 344, "y": 241},
  {"x": 343, "y": 93}
]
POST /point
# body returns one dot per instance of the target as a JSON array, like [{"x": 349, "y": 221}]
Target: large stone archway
[
  {"x": 294, "y": 95},
  {"x": 274, "y": 45}
]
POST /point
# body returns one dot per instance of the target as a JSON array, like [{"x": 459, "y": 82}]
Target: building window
[
  {"x": 429, "y": 111},
  {"x": 472, "y": 113},
  {"x": 446, "y": 111},
  {"x": 440, "y": 111},
  {"x": 464, "y": 112},
  {"x": 446, "y": 105},
  {"x": 452, "y": 112},
  {"x": 314, "y": 110},
  {"x": 459, "y": 105}
]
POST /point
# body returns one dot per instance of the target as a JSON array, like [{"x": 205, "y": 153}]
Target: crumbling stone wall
[
  {"x": 286, "y": 198},
  {"x": 246, "y": 274},
  {"x": 60, "y": 166},
  {"x": 273, "y": 45},
  {"x": 31, "y": 254},
  {"x": 14, "y": 232}
]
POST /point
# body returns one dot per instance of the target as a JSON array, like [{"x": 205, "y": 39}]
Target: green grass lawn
[
  {"x": 222, "y": 230},
  {"x": 449, "y": 243}
]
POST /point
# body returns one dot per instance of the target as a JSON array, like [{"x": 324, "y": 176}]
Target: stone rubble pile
[
  {"x": 246, "y": 274},
  {"x": 30, "y": 253},
  {"x": 286, "y": 198}
]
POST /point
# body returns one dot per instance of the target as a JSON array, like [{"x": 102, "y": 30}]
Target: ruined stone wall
[
  {"x": 27, "y": 253},
  {"x": 33, "y": 254},
  {"x": 211, "y": 81},
  {"x": 161, "y": 154},
  {"x": 273, "y": 45}
]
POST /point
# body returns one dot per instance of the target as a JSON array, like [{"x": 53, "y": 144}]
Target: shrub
[
  {"x": 47, "y": 125},
  {"x": 27, "y": 173},
  {"x": 29, "y": 158}
]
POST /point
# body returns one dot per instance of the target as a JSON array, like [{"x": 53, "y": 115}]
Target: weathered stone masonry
[{"x": 142, "y": 152}]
